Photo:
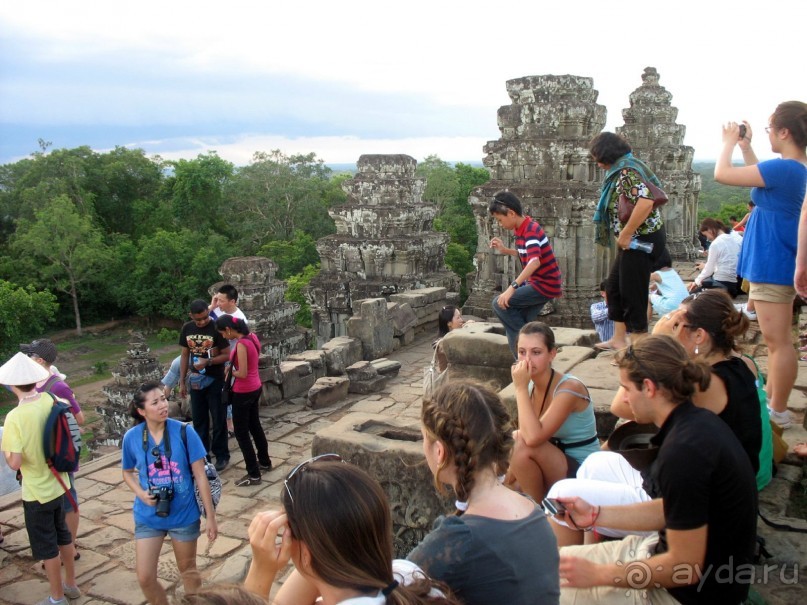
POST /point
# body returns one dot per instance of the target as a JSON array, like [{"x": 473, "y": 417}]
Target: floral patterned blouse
[{"x": 630, "y": 183}]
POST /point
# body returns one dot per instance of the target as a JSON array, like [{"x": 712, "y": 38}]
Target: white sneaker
[
  {"x": 743, "y": 308},
  {"x": 783, "y": 419}
]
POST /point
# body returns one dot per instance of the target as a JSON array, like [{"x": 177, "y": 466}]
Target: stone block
[
  {"x": 372, "y": 385},
  {"x": 402, "y": 316},
  {"x": 327, "y": 391},
  {"x": 568, "y": 357},
  {"x": 314, "y": 358},
  {"x": 361, "y": 370},
  {"x": 575, "y": 336},
  {"x": 297, "y": 378},
  {"x": 270, "y": 394},
  {"x": 407, "y": 338},
  {"x": 340, "y": 352},
  {"x": 391, "y": 451},
  {"x": 373, "y": 328},
  {"x": 386, "y": 367}
]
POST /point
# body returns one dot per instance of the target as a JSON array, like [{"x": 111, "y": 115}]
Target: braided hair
[{"x": 473, "y": 424}]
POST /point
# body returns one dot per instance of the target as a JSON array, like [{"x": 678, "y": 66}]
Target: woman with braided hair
[{"x": 499, "y": 547}]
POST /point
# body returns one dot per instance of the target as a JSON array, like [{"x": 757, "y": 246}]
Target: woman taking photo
[
  {"x": 337, "y": 529},
  {"x": 768, "y": 256},
  {"x": 707, "y": 325},
  {"x": 161, "y": 467},
  {"x": 720, "y": 270},
  {"x": 556, "y": 425},
  {"x": 499, "y": 547},
  {"x": 629, "y": 278},
  {"x": 246, "y": 393}
]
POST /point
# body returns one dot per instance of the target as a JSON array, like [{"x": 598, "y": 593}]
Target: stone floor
[{"x": 105, "y": 570}]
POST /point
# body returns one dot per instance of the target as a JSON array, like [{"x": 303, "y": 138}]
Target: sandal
[{"x": 800, "y": 449}]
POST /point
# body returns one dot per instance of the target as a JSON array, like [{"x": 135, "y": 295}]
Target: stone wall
[{"x": 384, "y": 244}]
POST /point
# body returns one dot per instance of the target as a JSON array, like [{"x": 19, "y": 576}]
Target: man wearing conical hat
[{"x": 41, "y": 493}]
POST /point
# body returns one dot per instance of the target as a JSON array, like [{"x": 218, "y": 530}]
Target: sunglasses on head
[{"x": 302, "y": 466}]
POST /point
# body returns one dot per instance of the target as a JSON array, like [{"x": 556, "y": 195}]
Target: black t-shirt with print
[{"x": 200, "y": 341}]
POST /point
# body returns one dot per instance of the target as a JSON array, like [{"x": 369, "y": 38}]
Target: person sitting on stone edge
[{"x": 539, "y": 279}]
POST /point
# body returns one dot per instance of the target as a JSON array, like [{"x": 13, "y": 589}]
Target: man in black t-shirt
[
  {"x": 204, "y": 351},
  {"x": 704, "y": 503}
]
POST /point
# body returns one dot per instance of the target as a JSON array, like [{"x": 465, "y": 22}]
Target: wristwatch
[{"x": 514, "y": 285}]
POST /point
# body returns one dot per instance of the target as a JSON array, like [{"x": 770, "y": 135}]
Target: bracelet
[{"x": 593, "y": 521}]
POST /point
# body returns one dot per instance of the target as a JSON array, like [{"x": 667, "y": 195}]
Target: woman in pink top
[{"x": 246, "y": 392}]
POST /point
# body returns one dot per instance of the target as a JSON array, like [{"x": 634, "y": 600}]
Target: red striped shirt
[{"x": 532, "y": 242}]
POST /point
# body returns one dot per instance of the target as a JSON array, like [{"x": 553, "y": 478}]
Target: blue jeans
[
  {"x": 523, "y": 307},
  {"x": 206, "y": 406}
]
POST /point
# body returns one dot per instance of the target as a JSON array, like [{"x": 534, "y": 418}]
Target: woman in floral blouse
[{"x": 629, "y": 278}]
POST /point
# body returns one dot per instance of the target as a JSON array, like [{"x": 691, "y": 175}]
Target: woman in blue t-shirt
[
  {"x": 768, "y": 255},
  {"x": 160, "y": 468}
]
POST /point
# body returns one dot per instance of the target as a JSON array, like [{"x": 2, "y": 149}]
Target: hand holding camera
[{"x": 161, "y": 497}]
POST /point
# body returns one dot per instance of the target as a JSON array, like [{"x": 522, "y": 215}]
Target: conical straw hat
[{"x": 21, "y": 369}]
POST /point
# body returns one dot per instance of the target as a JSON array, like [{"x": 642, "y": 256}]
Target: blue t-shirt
[
  {"x": 768, "y": 255},
  {"x": 183, "y": 509}
]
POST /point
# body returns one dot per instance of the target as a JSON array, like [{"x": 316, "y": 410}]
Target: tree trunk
[{"x": 74, "y": 296}]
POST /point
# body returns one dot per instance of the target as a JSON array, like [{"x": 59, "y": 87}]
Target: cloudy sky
[{"x": 179, "y": 78}]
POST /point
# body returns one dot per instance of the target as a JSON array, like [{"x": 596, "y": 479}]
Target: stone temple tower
[
  {"x": 384, "y": 243},
  {"x": 542, "y": 157},
  {"x": 656, "y": 138}
]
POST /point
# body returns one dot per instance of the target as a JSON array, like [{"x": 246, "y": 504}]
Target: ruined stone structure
[
  {"x": 542, "y": 157},
  {"x": 137, "y": 367},
  {"x": 384, "y": 243},
  {"x": 656, "y": 138},
  {"x": 262, "y": 299},
  {"x": 391, "y": 451}
]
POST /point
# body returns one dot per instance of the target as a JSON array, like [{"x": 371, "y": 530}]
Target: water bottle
[
  {"x": 636, "y": 244},
  {"x": 202, "y": 371}
]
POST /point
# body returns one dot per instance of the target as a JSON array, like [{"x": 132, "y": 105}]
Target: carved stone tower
[
  {"x": 542, "y": 157},
  {"x": 656, "y": 138},
  {"x": 383, "y": 244},
  {"x": 261, "y": 297}
]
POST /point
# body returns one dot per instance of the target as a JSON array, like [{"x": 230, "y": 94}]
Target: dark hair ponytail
[
  {"x": 231, "y": 321},
  {"x": 138, "y": 401}
]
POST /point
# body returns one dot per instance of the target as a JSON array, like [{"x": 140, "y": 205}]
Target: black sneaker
[
  {"x": 247, "y": 480},
  {"x": 221, "y": 463},
  {"x": 265, "y": 467}
]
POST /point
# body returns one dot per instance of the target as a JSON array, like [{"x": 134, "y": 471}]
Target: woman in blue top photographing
[
  {"x": 166, "y": 467},
  {"x": 768, "y": 255}
]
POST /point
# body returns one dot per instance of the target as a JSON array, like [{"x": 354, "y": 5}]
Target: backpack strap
[
  {"x": 66, "y": 489},
  {"x": 52, "y": 379}
]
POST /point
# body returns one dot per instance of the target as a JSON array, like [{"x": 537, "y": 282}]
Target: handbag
[
  {"x": 432, "y": 376},
  {"x": 227, "y": 389},
  {"x": 624, "y": 207},
  {"x": 212, "y": 477}
]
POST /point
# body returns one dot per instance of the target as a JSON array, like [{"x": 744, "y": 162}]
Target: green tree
[
  {"x": 278, "y": 194},
  {"x": 292, "y": 256},
  {"x": 295, "y": 293},
  {"x": 67, "y": 247},
  {"x": 197, "y": 192},
  {"x": 173, "y": 268},
  {"x": 24, "y": 314},
  {"x": 442, "y": 184},
  {"x": 461, "y": 263}
]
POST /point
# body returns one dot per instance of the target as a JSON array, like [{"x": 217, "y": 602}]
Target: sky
[{"x": 342, "y": 79}]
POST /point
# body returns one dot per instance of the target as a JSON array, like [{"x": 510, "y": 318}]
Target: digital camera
[{"x": 163, "y": 495}]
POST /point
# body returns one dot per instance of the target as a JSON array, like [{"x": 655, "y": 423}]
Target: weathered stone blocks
[
  {"x": 328, "y": 391},
  {"x": 390, "y": 450}
]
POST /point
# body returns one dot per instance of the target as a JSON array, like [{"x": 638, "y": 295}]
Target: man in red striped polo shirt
[{"x": 539, "y": 280}]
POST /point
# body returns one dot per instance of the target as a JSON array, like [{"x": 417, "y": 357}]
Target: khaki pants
[{"x": 632, "y": 548}]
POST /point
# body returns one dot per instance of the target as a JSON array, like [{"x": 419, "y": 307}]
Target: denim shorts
[
  {"x": 68, "y": 507},
  {"x": 189, "y": 533}
]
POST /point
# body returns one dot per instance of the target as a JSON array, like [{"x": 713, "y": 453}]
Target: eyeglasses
[
  {"x": 158, "y": 459},
  {"x": 769, "y": 128},
  {"x": 300, "y": 467}
]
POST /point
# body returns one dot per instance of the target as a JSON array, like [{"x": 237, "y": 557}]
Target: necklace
[
  {"x": 546, "y": 392},
  {"x": 30, "y": 397}
]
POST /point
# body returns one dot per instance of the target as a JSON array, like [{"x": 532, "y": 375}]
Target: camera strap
[{"x": 167, "y": 447}]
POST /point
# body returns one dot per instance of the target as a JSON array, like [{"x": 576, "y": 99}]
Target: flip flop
[{"x": 800, "y": 449}]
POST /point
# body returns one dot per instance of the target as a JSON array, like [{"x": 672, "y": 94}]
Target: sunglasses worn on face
[{"x": 301, "y": 467}]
